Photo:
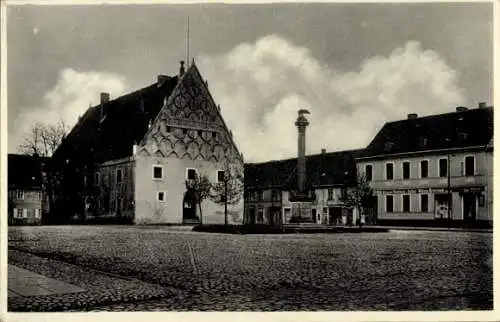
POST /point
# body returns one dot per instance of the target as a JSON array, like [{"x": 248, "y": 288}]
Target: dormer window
[{"x": 388, "y": 146}]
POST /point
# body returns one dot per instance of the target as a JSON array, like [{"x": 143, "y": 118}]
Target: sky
[{"x": 353, "y": 66}]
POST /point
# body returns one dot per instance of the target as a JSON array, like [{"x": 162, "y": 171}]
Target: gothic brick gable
[{"x": 190, "y": 125}]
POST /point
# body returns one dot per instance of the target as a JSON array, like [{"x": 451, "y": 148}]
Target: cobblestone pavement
[{"x": 400, "y": 270}]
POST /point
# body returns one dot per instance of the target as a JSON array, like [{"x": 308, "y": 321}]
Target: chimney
[
  {"x": 482, "y": 105},
  {"x": 412, "y": 116},
  {"x": 182, "y": 69},
  {"x": 301, "y": 125},
  {"x": 104, "y": 100},
  {"x": 323, "y": 151},
  {"x": 161, "y": 78},
  {"x": 461, "y": 109}
]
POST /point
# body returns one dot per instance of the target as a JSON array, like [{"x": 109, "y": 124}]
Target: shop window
[
  {"x": 406, "y": 203},
  {"x": 389, "y": 203},
  {"x": 424, "y": 203}
]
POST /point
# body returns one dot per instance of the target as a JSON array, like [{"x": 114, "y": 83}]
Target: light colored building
[
  {"x": 434, "y": 170},
  {"x": 25, "y": 189},
  {"x": 130, "y": 158}
]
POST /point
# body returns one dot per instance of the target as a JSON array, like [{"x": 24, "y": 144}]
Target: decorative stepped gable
[{"x": 190, "y": 125}]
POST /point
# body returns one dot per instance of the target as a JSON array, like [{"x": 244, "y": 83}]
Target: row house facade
[
  {"x": 130, "y": 158},
  {"x": 26, "y": 197},
  {"x": 434, "y": 170},
  {"x": 269, "y": 187}
]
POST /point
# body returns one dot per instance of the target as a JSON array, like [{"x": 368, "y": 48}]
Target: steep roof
[
  {"x": 24, "y": 171},
  {"x": 462, "y": 129},
  {"x": 328, "y": 169},
  {"x": 125, "y": 122}
]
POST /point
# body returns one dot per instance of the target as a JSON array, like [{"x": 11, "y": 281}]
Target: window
[
  {"x": 275, "y": 195},
  {"x": 199, "y": 133},
  {"x": 169, "y": 129},
  {"x": 330, "y": 193},
  {"x": 184, "y": 131},
  {"x": 96, "y": 178},
  {"x": 443, "y": 168},
  {"x": 260, "y": 215},
  {"x": 161, "y": 196},
  {"x": 343, "y": 192},
  {"x": 424, "y": 169},
  {"x": 314, "y": 214},
  {"x": 157, "y": 172},
  {"x": 119, "y": 175},
  {"x": 220, "y": 175},
  {"x": 20, "y": 194},
  {"x": 406, "y": 203},
  {"x": 37, "y": 213},
  {"x": 38, "y": 195},
  {"x": 260, "y": 195},
  {"x": 14, "y": 213},
  {"x": 424, "y": 203},
  {"x": 469, "y": 165},
  {"x": 406, "y": 170},
  {"x": 191, "y": 174},
  {"x": 389, "y": 204},
  {"x": 368, "y": 172},
  {"x": 25, "y": 213},
  {"x": 214, "y": 135},
  {"x": 389, "y": 171}
]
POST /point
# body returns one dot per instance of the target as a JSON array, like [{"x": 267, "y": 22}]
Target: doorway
[
  {"x": 469, "y": 207},
  {"x": 335, "y": 215},
  {"x": 189, "y": 208}
]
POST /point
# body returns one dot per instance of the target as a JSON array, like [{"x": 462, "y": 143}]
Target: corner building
[
  {"x": 129, "y": 158},
  {"x": 435, "y": 170}
]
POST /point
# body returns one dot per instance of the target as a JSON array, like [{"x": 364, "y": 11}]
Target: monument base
[{"x": 301, "y": 212}]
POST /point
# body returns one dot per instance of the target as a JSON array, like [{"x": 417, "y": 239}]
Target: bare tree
[
  {"x": 229, "y": 188},
  {"x": 200, "y": 187},
  {"x": 43, "y": 139},
  {"x": 360, "y": 196}
]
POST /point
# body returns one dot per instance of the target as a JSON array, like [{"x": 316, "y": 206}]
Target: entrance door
[
  {"x": 189, "y": 208},
  {"x": 469, "y": 201},
  {"x": 251, "y": 215},
  {"x": 335, "y": 215}
]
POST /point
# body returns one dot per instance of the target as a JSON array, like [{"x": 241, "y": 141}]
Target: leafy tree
[
  {"x": 360, "y": 196},
  {"x": 229, "y": 188},
  {"x": 200, "y": 187}
]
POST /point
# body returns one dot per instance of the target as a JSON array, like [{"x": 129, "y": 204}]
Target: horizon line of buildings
[{"x": 130, "y": 158}]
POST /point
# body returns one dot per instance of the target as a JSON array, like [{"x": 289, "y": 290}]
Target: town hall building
[{"x": 131, "y": 157}]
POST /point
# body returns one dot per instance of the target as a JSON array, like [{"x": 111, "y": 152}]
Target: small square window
[
  {"x": 214, "y": 134},
  {"x": 161, "y": 196},
  {"x": 191, "y": 174},
  {"x": 157, "y": 172},
  {"x": 184, "y": 131}
]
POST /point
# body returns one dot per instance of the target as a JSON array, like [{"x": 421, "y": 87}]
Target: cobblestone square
[{"x": 182, "y": 270}]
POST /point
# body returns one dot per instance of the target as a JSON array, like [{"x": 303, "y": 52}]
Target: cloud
[
  {"x": 260, "y": 87},
  {"x": 67, "y": 100}
]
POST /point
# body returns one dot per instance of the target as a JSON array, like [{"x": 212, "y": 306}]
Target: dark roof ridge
[
  {"x": 441, "y": 114},
  {"x": 307, "y": 156}
]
